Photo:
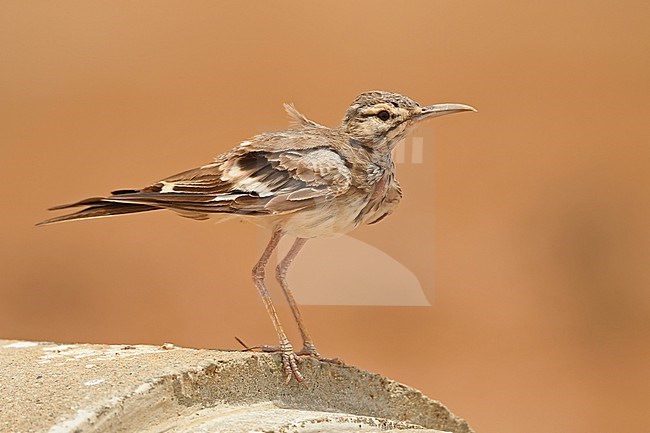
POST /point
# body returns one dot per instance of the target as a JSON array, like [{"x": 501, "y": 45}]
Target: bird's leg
[
  {"x": 308, "y": 347},
  {"x": 289, "y": 359}
]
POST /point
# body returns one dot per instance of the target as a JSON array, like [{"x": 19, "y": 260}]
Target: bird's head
[{"x": 382, "y": 119}]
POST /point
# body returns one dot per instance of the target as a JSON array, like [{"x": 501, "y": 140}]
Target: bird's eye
[{"x": 383, "y": 115}]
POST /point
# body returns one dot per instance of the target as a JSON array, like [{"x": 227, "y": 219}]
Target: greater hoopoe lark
[{"x": 308, "y": 181}]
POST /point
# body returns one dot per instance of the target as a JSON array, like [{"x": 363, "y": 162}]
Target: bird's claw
[
  {"x": 310, "y": 350},
  {"x": 290, "y": 366},
  {"x": 288, "y": 357}
]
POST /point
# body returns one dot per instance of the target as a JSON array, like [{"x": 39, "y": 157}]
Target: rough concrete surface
[{"x": 70, "y": 388}]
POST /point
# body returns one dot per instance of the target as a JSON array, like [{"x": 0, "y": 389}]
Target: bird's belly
[{"x": 329, "y": 219}]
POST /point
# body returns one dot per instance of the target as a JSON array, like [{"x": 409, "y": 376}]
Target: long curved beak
[{"x": 442, "y": 109}]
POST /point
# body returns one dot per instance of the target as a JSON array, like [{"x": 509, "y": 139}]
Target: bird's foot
[
  {"x": 288, "y": 357},
  {"x": 290, "y": 365},
  {"x": 291, "y": 359},
  {"x": 308, "y": 349}
]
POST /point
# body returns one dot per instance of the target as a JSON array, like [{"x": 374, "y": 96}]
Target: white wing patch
[
  {"x": 232, "y": 173},
  {"x": 226, "y": 197},
  {"x": 253, "y": 185},
  {"x": 167, "y": 187}
]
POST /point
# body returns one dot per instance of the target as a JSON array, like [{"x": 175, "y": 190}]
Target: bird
[{"x": 308, "y": 181}]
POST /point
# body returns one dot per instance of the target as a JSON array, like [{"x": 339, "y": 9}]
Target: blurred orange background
[{"x": 526, "y": 224}]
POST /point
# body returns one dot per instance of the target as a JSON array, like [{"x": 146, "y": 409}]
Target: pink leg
[
  {"x": 308, "y": 347},
  {"x": 289, "y": 359}
]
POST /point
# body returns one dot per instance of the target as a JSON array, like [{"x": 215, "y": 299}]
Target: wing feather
[{"x": 250, "y": 182}]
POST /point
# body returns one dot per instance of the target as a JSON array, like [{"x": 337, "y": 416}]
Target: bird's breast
[
  {"x": 364, "y": 203},
  {"x": 385, "y": 195},
  {"x": 380, "y": 187}
]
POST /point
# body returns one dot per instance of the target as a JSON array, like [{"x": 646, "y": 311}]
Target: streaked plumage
[{"x": 308, "y": 181}]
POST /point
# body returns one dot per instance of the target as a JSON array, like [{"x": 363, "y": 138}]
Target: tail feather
[
  {"x": 85, "y": 202},
  {"x": 97, "y": 209}
]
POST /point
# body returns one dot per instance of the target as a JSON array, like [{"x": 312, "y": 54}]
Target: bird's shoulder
[
  {"x": 311, "y": 154},
  {"x": 301, "y": 138}
]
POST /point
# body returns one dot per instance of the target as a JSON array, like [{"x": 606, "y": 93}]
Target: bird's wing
[{"x": 249, "y": 182}]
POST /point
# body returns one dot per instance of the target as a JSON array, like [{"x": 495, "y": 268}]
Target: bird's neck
[{"x": 377, "y": 154}]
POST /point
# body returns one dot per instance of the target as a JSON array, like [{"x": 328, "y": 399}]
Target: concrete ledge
[{"x": 53, "y": 388}]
